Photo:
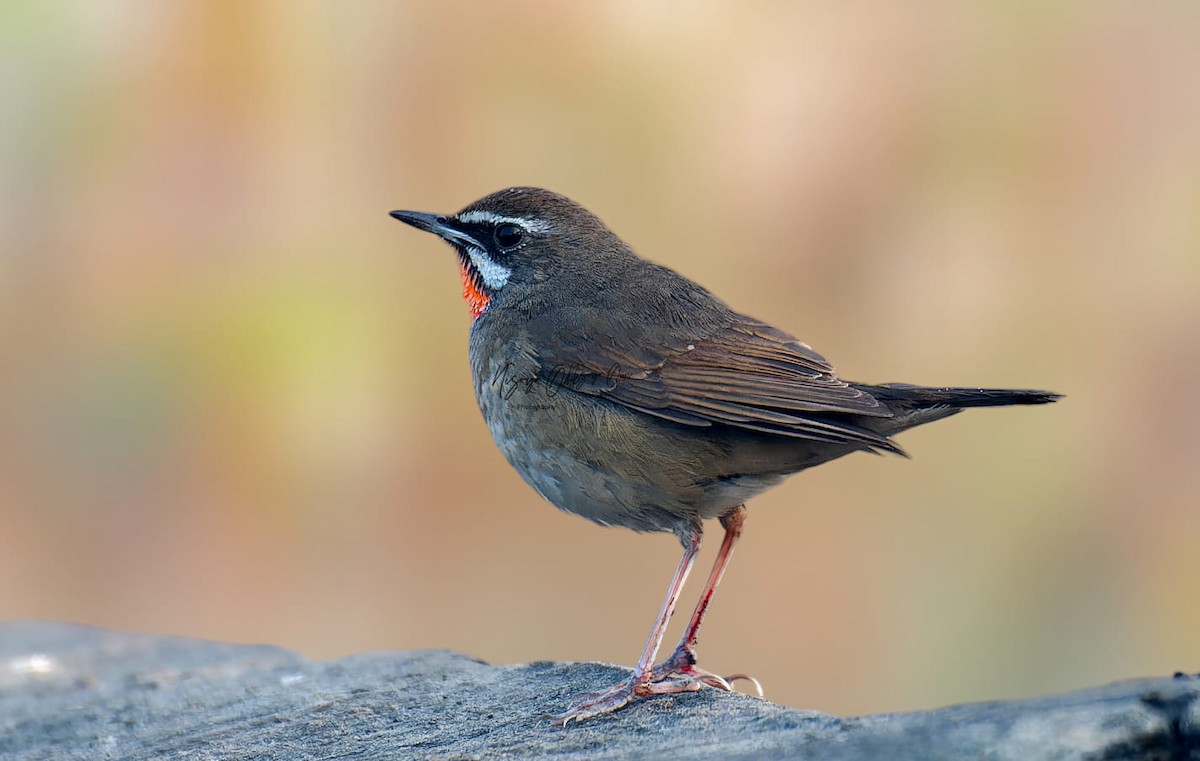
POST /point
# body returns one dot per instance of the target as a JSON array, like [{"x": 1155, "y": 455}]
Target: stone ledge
[{"x": 77, "y": 692}]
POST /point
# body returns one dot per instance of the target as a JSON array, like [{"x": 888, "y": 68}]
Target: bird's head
[{"x": 518, "y": 239}]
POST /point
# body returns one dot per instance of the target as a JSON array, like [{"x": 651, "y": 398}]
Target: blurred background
[{"x": 234, "y": 394}]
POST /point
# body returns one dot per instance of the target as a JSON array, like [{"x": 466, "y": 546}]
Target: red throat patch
[{"x": 477, "y": 300}]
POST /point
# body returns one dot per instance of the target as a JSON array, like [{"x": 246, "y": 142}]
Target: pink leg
[
  {"x": 640, "y": 684},
  {"x": 678, "y": 673},
  {"x": 732, "y": 521},
  {"x": 655, "y": 639},
  {"x": 682, "y": 661}
]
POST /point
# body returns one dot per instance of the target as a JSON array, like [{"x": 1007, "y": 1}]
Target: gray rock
[{"x": 76, "y": 692}]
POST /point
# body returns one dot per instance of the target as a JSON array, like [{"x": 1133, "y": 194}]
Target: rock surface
[{"x": 76, "y": 692}]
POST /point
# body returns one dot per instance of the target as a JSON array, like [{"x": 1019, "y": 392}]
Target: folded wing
[{"x": 745, "y": 374}]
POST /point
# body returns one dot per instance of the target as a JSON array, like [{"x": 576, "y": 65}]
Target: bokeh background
[{"x": 234, "y": 394}]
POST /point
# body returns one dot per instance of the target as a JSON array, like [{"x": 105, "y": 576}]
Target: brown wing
[{"x": 746, "y": 374}]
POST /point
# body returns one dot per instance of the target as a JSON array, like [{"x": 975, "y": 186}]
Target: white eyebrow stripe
[
  {"x": 494, "y": 275},
  {"x": 532, "y": 225}
]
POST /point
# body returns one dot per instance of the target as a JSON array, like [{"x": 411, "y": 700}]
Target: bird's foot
[
  {"x": 682, "y": 664},
  {"x": 593, "y": 704},
  {"x": 697, "y": 674},
  {"x": 676, "y": 674}
]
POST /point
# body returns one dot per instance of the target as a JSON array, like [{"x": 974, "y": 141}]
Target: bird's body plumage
[{"x": 679, "y": 407}]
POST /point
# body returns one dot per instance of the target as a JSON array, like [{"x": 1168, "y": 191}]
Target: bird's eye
[{"x": 508, "y": 235}]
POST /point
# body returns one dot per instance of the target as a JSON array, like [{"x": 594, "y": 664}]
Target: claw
[
  {"x": 717, "y": 682},
  {"x": 746, "y": 678},
  {"x": 697, "y": 674}
]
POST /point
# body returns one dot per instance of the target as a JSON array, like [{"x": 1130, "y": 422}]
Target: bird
[{"x": 627, "y": 394}]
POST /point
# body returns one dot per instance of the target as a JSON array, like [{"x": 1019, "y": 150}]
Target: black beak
[{"x": 443, "y": 227}]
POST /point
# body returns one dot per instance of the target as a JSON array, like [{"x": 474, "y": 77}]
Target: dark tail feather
[
  {"x": 903, "y": 396},
  {"x": 916, "y": 405}
]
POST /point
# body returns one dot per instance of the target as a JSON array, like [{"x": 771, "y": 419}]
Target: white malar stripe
[
  {"x": 494, "y": 275},
  {"x": 532, "y": 225}
]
